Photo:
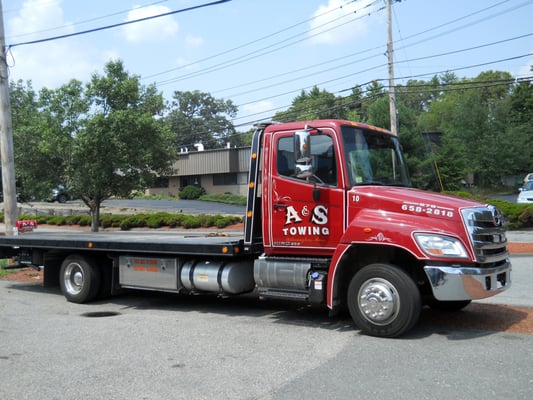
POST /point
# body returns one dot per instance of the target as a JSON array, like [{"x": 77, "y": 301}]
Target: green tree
[
  {"x": 63, "y": 112},
  {"x": 33, "y": 169},
  {"x": 317, "y": 104},
  {"x": 123, "y": 145},
  {"x": 450, "y": 165},
  {"x": 44, "y": 127},
  {"x": 197, "y": 117}
]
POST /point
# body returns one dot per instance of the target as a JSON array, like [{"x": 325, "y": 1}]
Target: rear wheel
[
  {"x": 79, "y": 279},
  {"x": 383, "y": 300}
]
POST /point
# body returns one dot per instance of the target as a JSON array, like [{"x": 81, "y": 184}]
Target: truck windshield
[{"x": 373, "y": 158}]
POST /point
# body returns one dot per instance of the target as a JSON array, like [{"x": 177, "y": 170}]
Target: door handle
[{"x": 278, "y": 206}]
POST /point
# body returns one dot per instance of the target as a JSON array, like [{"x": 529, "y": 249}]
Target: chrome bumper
[{"x": 468, "y": 283}]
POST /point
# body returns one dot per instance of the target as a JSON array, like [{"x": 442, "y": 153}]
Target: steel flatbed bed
[{"x": 127, "y": 242}]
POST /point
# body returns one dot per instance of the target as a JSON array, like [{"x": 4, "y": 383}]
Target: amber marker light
[
  {"x": 254, "y": 156},
  {"x": 367, "y": 230},
  {"x": 252, "y": 185},
  {"x": 224, "y": 250},
  {"x": 249, "y": 214},
  {"x": 236, "y": 250},
  {"x": 90, "y": 245}
]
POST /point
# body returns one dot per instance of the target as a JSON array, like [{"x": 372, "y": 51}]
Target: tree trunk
[{"x": 95, "y": 217}]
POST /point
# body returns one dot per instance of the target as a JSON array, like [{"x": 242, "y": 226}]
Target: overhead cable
[{"x": 119, "y": 24}]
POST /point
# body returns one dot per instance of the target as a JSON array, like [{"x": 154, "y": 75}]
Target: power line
[
  {"x": 365, "y": 59},
  {"x": 260, "y": 52},
  {"x": 377, "y": 80},
  {"x": 117, "y": 25},
  {"x": 441, "y": 88},
  {"x": 245, "y": 44},
  {"x": 85, "y": 21},
  {"x": 378, "y": 66},
  {"x": 239, "y": 61}
]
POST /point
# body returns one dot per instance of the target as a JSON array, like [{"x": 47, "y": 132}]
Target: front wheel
[
  {"x": 383, "y": 300},
  {"x": 79, "y": 279}
]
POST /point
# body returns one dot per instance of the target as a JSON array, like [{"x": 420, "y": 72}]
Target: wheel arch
[{"x": 358, "y": 255}]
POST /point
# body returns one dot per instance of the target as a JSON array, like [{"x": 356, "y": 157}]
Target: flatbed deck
[{"x": 131, "y": 242}]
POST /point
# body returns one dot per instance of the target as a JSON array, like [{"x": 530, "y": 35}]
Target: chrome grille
[{"x": 487, "y": 234}]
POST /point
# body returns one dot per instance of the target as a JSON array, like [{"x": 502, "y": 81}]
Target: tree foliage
[
  {"x": 123, "y": 146},
  {"x": 196, "y": 117}
]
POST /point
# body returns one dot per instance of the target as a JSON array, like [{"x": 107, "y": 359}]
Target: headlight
[{"x": 440, "y": 246}]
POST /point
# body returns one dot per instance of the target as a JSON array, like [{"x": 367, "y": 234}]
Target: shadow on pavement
[{"x": 474, "y": 321}]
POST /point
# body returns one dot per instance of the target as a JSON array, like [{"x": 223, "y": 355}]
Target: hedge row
[{"x": 148, "y": 220}]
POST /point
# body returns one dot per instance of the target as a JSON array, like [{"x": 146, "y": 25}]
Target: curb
[{"x": 520, "y": 248}]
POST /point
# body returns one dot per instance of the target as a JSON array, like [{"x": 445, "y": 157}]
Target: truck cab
[{"x": 340, "y": 223}]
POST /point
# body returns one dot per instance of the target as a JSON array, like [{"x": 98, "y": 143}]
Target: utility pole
[
  {"x": 6, "y": 140},
  {"x": 392, "y": 89}
]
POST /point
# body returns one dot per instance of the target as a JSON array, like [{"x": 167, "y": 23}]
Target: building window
[
  {"x": 161, "y": 182},
  {"x": 190, "y": 180},
  {"x": 224, "y": 179}
]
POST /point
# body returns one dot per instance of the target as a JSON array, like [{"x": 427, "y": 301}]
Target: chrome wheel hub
[
  {"x": 378, "y": 301},
  {"x": 73, "y": 278}
]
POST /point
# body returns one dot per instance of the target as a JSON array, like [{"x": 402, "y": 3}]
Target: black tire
[
  {"x": 62, "y": 198},
  {"x": 449, "y": 305},
  {"x": 79, "y": 279},
  {"x": 384, "y": 300}
]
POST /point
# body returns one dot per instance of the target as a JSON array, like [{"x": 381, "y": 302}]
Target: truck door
[{"x": 305, "y": 212}]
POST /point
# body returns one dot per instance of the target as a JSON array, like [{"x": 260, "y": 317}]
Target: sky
[{"x": 261, "y": 54}]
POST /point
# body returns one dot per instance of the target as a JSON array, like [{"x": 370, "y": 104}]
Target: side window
[
  {"x": 285, "y": 156},
  {"x": 323, "y": 159}
]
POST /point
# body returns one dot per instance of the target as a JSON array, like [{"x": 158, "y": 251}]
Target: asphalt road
[
  {"x": 194, "y": 207},
  {"x": 145, "y": 345}
]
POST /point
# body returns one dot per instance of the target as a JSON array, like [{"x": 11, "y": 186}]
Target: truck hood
[
  {"x": 392, "y": 215},
  {"x": 412, "y": 201},
  {"x": 407, "y": 210}
]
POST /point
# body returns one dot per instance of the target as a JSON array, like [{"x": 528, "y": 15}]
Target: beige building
[{"x": 217, "y": 171}]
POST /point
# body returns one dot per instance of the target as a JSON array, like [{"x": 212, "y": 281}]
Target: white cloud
[
  {"x": 253, "y": 110},
  {"x": 193, "y": 41},
  {"x": 336, "y": 13},
  {"x": 525, "y": 70},
  {"x": 48, "y": 64},
  {"x": 185, "y": 64},
  {"x": 150, "y": 30},
  {"x": 35, "y": 18}
]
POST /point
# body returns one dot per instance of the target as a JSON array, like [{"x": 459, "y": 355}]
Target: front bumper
[{"x": 468, "y": 283}]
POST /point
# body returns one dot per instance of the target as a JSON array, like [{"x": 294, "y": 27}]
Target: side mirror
[{"x": 302, "y": 154}]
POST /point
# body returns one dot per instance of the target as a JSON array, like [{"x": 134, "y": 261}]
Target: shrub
[
  {"x": 191, "y": 222},
  {"x": 191, "y": 192},
  {"x": 172, "y": 220},
  {"x": 125, "y": 225},
  {"x": 85, "y": 220},
  {"x": 156, "y": 220},
  {"x": 111, "y": 221}
]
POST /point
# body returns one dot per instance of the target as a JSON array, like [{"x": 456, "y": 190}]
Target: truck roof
[{"x": 320, "y": 123}]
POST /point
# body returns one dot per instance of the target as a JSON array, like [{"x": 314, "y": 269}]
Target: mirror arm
[{"x": 316, "y": 193}]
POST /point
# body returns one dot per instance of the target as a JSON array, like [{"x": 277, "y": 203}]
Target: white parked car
[
  {"x": 527, "y": 178},
  {"x": 526, "y": 193}
]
